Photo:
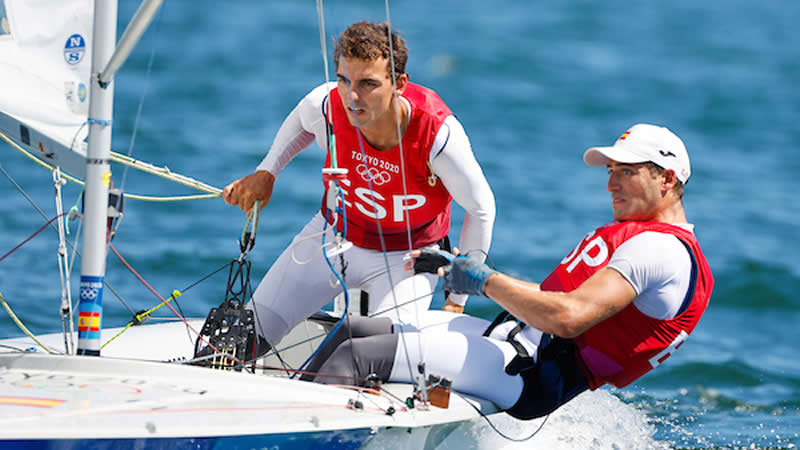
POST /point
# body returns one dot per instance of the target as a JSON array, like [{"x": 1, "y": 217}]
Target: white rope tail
[{"x": 67, "y": 324}]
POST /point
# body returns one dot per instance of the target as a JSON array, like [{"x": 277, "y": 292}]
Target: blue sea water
[{"x": 534, "y": 85}]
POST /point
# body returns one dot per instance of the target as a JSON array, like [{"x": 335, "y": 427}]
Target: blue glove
[
  {"x": 462, "y": 274},
  {"x": 467, "y": 275}
]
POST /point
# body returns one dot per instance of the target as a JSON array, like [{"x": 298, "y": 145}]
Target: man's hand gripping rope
[{"x": 463, "y": 274}]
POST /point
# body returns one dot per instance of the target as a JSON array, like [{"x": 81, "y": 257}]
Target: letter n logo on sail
[{"x": 74, "y": 49}]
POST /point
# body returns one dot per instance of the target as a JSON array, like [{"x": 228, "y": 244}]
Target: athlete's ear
[
  {"x": 670, "y": 179},
  {"x": 402, "y": 82}
]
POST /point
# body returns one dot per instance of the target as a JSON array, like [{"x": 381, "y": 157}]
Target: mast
[{"x": 98, "y": 178}]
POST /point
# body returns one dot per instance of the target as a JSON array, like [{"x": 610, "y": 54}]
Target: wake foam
[{"x": 593, "y": 420}]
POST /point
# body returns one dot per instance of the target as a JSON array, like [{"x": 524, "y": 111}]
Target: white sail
[{"x": 45, "y": 65}]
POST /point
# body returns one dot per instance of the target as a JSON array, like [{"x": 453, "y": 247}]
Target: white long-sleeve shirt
[{"x": 451, "y": 159}]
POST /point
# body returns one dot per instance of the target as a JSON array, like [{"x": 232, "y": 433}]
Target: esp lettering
[
  {"x": 597, "y": 246},
  {"x": 370, "y": 203}
]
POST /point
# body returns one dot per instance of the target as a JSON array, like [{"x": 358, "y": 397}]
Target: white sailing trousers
[
  {"x": 300, "y": 282},
  {"x": 453, "y": 346}
]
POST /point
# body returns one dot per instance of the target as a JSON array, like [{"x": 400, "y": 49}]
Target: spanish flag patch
[{"x": 88, "y": 321}]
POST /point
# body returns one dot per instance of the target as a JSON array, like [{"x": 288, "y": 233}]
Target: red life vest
[
  {"x": 630, "y": 343},
  {"x": 427, "y": 206}
]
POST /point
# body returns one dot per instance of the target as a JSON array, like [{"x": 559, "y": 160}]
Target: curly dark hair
[{"x": 369, "y": 41}]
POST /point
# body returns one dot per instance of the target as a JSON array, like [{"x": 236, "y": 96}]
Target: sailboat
[{"x": 136, "y": 391}]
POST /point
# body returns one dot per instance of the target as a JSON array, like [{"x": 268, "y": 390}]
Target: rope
[
  {"x": 163, "y": 172},
  {"x": 67, "y": 323},
  {"x": 163, "y": 301},
  {"x": 312, "y": 236},
  {"x": 494, "y": 427},
  {"x": 174, "y": 295},
  {"x": 346, "y": 302},
  {"x": 142, "y": 316},
  {"x": 37, "y": 160},
  {"x": 23, "y": 327},
  {"x": 146, "y": 284}
]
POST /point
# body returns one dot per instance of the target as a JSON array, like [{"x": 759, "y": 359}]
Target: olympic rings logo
[
  {"x": 89, "y": 293},
  {"x": 373, "y": 174}
]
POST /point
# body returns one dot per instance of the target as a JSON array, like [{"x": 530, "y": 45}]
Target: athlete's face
[
  {"x": 636, "y": 193},
  {"x": 365, "y": 87}
]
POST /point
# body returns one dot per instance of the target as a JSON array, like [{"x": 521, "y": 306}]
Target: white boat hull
[{"x": 141, "y": 402}]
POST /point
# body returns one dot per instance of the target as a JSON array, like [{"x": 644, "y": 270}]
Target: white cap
[{"x": 643, "y": 143}]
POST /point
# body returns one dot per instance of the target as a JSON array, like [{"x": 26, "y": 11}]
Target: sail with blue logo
[{"x": 45, "y": 65}]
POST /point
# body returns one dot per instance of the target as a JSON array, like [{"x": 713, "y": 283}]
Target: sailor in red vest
[
  {"x": 619, "y": 304},
  {"x": 406, "y": 157}
]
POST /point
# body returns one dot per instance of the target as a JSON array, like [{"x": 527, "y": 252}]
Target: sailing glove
[{"x": 464, "y": 274}]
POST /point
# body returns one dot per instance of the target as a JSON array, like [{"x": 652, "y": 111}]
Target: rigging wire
[
  {"x": 247, "y": 240},
  {"x": 384, "y": 251},
  {"x": 142, "y": 315},
  {"x": 43, "y": 227},
  {"x": 74, "y": 246},
  {"x": 398, "y": 122},
  {"x": 145, "y": 88},
  {"x": 407, "y": 302},
  {"x": 406, "y": 214},
  {"x": 334, "y": 193},
  {"x": 19, "y": 188},
  {"x": 322, "y": 39},
  {"x": 407, "y": 220},
  {"x": 332, "y": 151},
  {"x": 174, "y": 311}
]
